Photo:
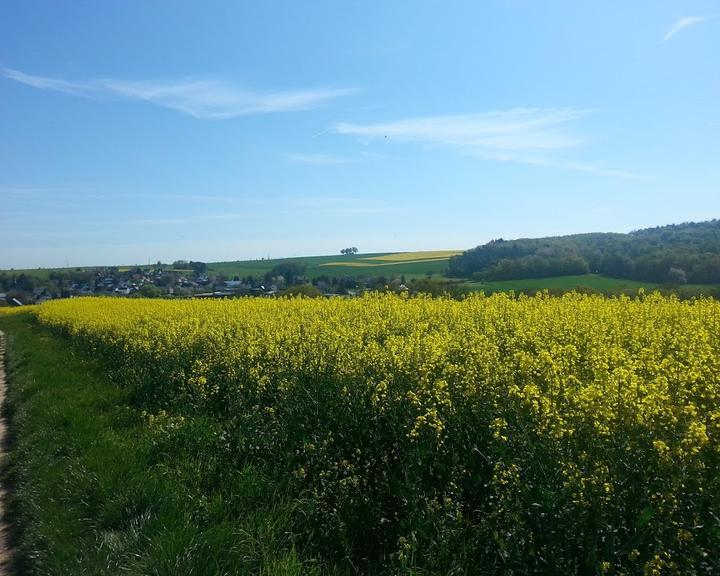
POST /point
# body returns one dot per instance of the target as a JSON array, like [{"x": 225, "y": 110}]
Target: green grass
[
  {"x": 39, "y": 273},
  {"x": 568, "y": 283},
  {"x": 96, "y": 489}
]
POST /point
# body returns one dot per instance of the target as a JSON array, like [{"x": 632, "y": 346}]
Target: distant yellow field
[
  {"x": 415, "y": 256},
  {"x": 394, "y": 259},
  {"x": 370, "y": 264}
]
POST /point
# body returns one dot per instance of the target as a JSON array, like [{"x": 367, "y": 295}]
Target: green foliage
[
  {"x": 306, "y": 290},
  {"x": 150, "y": 291},
  {"x": 198, "y": 267},
  {"x": 290, "y": 271},
  {"x": 674, "y": 254},
  {"x": 436, "y": 287},
  {"x": 19, "y": 282},
  {"x": 534, "y": 267}
]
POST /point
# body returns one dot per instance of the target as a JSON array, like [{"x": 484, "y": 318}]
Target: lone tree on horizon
[{"x": 349, "y": 251}]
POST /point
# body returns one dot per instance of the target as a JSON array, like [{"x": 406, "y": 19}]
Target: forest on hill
[{"x": 673, "y": 254}]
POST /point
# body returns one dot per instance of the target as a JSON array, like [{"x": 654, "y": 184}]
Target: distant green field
[
  {"x": 561, "y": 282},
  {"x": 40, "y": 273},
  {"x": 594, "y": 281},
  {"x": 44, "y": 273},
  {"x": 377, "y": 264}
]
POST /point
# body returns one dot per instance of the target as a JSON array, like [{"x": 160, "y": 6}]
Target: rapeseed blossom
[{"x": 578, "y": 434}]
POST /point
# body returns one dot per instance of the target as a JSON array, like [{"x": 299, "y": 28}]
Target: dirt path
[{"x": 5, "y": 547}]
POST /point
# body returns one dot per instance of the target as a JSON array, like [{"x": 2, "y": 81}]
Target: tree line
[{"x": 673, "y": 254}]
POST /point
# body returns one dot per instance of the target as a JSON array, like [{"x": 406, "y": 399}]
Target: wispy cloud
[
  {"x": 320, "y": 159},
  {"x": 535, "y": 136},
  {"x": 682, "y": 23},
  {"x": 519, "y": 129},
  {"x": 201, "y": 98},
  {"x": 570, "y": 165}
]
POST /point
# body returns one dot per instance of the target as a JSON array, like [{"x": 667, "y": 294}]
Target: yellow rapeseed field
[
  {"x": 373, "y": 264},
  {"x": 398, "y": 258},
  {"x": 577, "y": 434},
  {"x": 412, "y": 256}
]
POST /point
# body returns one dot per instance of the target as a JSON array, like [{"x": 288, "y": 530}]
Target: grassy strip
[
  {"x": 594, "y": 281},
  {"x": 98, "y": 488}
]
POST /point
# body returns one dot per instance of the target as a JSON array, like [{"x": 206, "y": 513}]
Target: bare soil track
[{"x": 5, "y": 540}]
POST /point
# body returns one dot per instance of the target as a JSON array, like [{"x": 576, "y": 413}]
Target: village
[{"x": 181, "y": 279}]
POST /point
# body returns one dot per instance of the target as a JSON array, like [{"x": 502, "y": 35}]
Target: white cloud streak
[
  {"x": 533, "y": 136},
  {"x": 569, "y": 165},
  {"x": 518, "y": 129},
  {"x": 200, "y": 98},
  {"x": 683, "y": 23}
]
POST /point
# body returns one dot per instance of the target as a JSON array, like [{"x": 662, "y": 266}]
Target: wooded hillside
[{"x": 676, "y": 254}]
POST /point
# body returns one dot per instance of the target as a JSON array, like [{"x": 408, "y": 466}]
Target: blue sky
[{"x": 135, "y": 131}]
